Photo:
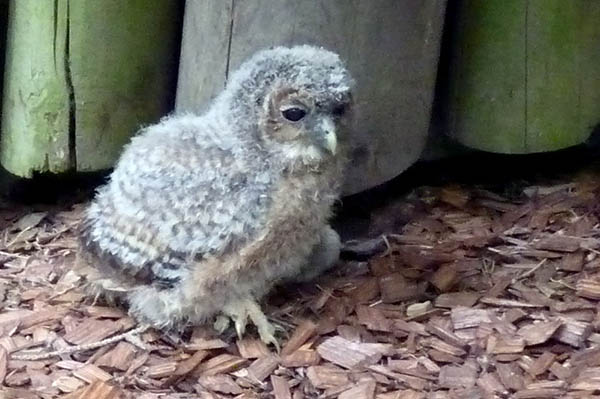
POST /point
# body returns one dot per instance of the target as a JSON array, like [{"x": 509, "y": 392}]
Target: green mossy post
[
  {"x": 524, "y": 74},
  {"x": 35, "y": 112},
  {"x": 3, "y": 23},
  {"x": 81, "y": 77}
]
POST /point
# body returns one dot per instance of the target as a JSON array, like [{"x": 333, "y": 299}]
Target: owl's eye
[
  {"x": 339, "y": 110},
  {"x": 293, "y": 114}
]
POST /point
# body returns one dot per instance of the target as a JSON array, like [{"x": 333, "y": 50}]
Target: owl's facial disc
[{"x": 303, "y": 125}]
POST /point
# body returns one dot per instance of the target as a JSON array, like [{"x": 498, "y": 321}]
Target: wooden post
[
  {"x": 35, "y": 113},
  {"x": 391, "y": 48},
  {"x": 81, "y": 77},
  {"x": 524, "y": 74},
  {"x": 124, "y": 69},
  {"x": 3, "y": 26}
]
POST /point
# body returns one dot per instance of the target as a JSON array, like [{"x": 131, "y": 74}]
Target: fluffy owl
[{"x": 203, "y": 214}]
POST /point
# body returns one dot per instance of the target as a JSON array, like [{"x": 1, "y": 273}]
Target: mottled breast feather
[{"x": 175, "y": 197}]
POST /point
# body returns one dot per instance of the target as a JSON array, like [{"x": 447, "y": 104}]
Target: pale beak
[{"x": 330, "y": 138}]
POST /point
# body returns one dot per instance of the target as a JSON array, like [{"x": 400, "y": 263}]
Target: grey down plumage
[{"x": 203, "y": 214}]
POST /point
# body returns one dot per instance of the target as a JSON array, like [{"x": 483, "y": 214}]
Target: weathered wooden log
[
  {"x": 81, "y": 77},
  {"x": 3, "y": 24},
  {"x": 391, "y": 48},
  {"x": 524, "y": 75}
]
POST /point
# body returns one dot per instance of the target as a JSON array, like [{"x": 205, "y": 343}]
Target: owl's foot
[
  {"x": 240, "y": 310},
  {"x": 221, "y": 324}
]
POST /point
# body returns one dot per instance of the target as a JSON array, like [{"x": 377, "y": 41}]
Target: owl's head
[{"x": 299, "y": 99}]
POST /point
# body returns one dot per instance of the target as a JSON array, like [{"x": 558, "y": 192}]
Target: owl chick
[{"x": 204, "y": 214}]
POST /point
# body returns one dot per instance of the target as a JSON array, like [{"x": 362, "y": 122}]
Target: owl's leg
[
  {"x": 323, "y": 257},
  {"x": 242, "y": 309}
]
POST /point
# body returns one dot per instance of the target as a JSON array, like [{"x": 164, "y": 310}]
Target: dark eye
[
  {"x": 294, "y": 114},
  {"x": 339, "y": 110}
]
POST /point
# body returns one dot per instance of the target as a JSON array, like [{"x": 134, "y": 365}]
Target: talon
[
  {"x": 241, "y": 310},
  {"x": 240, "y": 325},
  {"x": 269, "y": 338}
]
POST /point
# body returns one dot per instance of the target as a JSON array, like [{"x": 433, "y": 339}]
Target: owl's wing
[{"x": 166, "y": 203}]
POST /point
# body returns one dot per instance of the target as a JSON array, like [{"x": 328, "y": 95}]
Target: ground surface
[{"x": 474, "y": 294}]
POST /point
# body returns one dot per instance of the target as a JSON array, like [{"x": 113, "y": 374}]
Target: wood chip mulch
[{"x": 478, "y": 295}]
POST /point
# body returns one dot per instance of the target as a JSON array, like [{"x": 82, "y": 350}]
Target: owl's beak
[{"x": 329, "y": 136}]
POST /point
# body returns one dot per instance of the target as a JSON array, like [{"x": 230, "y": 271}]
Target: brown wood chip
[
  {"x": 542, "y": 364},
  {"x": 221, "y": 364},
  {"x": 395, "y": 288},
  {"x": 120, "y": 357},
  {"x": 457, "y": 299},
  {"x": 538, "y": 333},
  {"x": 539, "y": 393},
  {"x": 490, "y": 383},
  {"x": 445, "y": 277},
  {"x": 281, "y": 388},
  {"x": 505, "y": 344},
  {"x": 559, "y": 243},
  {"x": 561, "y": 372},
  {"x": 104, "y": 312},
  {"x": 327, "y": 376},
  {"x": 573, "y": 332},
  {"x": 365, "y": 390},
  {"x": 458, "y": 377},
  {"x": 46, "y": 315},
  {"x": 161, "y": 370},
  {"x": 301, "y": 358},
  {"x": 508, "y": 303},
  {"x": 510, "y": 375},
  {"x": 98, "y": 390},
  {"x": 441, "y": 346},
  {"x": 68, "y": 384},
  {"x": 220, "y": 383},
  {"x": 588, "y": 288},
  {"x": 3, "y": 364},
  {"x": 413, "y": 382},
  {"x": 251, "y": 348},
  {"x": 263, "y": 367},
  {"x": 91, "y": 373},
  {"x": 188, "y": 365},
  {"x": 445, "y": 335},
  {"x": 365, "y": 291},
  {"x": 349, "y": 354},
  {"x": 463, "y": 317},
  {"x": 402, "y": 394},
  {"x": 92, "y": 330},
  {"x": 302, "y": 333},
  {"x": 200, "y": 344},
  {"x": 572, "y": 262},
  {"x": 137, "y": 362}
]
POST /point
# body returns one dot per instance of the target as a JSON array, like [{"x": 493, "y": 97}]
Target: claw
[
  {"x": 266, "y": 330},
  {"x": 241, "y": 310},
  {"x": 240, "y": 325},
  {"x": 268, "y": 337}
]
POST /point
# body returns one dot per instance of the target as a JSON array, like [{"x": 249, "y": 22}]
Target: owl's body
[{"x": 204, "y": 214}]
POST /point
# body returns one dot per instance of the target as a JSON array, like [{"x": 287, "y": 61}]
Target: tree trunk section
[{"x": 391, "y": 50}]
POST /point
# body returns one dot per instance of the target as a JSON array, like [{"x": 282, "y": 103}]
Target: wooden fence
[{"x": 81, "y": 77}]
